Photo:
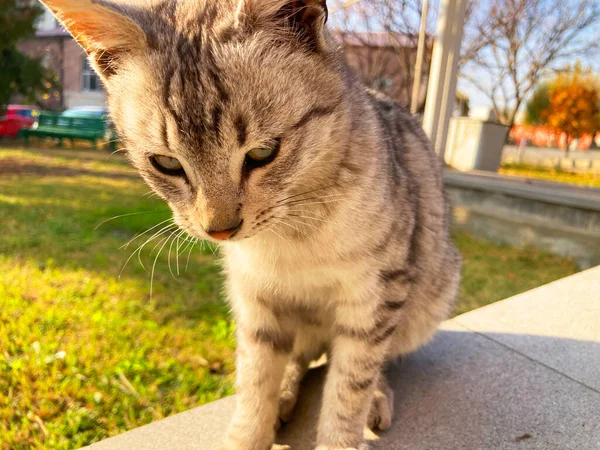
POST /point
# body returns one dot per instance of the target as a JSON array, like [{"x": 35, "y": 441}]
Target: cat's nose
[{"x": 223, "y": 235}]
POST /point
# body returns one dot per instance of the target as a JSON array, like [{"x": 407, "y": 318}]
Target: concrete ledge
[
  {"x": 518, "y": 374},
  {"x": 543, "y": 191},
  {"x": 561, "y": 218}
]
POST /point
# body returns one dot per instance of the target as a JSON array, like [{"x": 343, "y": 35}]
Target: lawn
[
  {"x": 558, "y": 175},
  {"x": 86, "y": 350}
]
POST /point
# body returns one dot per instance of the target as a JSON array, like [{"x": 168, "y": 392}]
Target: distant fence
[{"x": 579, "y": 162}]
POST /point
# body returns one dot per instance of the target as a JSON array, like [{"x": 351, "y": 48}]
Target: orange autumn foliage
[{"x": 574, "y": 107}]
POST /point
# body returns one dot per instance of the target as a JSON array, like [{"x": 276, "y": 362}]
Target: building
[
  {"x": 384, "y": 62},
  {"x": 79, "y": 84}
]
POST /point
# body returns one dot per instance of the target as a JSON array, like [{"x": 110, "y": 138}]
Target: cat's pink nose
[{"x": 223, "y": 235}]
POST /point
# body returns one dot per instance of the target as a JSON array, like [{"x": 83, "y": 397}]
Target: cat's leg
[
  {"x": 382, "y": 405},
  {"x": 264, "y": 346},
  {"x": 309, "y": 346},
  {"x": 363, "y": 332},
  {"x": 290, "y": 387}
]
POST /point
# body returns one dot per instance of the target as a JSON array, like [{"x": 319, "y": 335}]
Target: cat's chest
[{"x": 292, "y": 274}]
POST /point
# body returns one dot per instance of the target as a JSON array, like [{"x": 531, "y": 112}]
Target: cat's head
[{"x": 230, "y": 109}]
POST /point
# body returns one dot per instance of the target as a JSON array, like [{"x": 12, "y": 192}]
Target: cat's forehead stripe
[{"x": 241, "y": 128}]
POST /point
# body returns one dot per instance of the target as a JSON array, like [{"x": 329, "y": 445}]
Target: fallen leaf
[{"x": 522, "y": 438}]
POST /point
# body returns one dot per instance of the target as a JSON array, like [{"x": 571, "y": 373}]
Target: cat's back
[
  {"x": 409, "y": 152},
  {"x": 414, "y": 167}
]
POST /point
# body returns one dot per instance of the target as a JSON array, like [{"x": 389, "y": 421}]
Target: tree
[
  {"x": 20, "y": 74},
  {"x": 596, "y": 133},
  {"x": 574, "y": 106},
  {"x": 387, "y": 33},
  {"x": 537, "y": 104},
  {"x": 511, "y": 44}
]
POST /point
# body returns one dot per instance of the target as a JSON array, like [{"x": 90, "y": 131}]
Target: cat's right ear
[
  {"x": 305, "y": 19},
  {"x": 105, "y": 34}
]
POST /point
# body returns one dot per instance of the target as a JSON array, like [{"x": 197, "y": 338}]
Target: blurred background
[{"x": 111, "y": 318}]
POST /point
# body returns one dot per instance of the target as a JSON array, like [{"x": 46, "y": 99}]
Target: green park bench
[{"x": 84, "y": 128}]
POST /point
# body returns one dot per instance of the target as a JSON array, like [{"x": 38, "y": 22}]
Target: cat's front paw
[
  {"x": 382, "y": 410},
  {"x": 287, "y": 403}
]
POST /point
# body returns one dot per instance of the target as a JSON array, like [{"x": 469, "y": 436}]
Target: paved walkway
[{"x": 520, "y": 374}]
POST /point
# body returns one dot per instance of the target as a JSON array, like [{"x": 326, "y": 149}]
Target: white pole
[
  {"x": 414, "y": 104},
  {"x": 437, "y": 72},
  {"x": 449, "y": 92}
]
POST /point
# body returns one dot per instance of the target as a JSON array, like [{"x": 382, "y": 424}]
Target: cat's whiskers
[
  {"x": 138, "y": 235},
  {"x": 151, "y": 251},
  {"x": 316, "y": 197},
  {"x": 306, "y": 193},
  {"x": 181, "y": 248},
  {"x": 127, "y": 215},
  {"x": 313, "y": 202},
  {"x": 302, "y": 213},
  {"x": 156, "y": 245},
  {"x": 124, "y": 150},
  {"x": 304, "y": 221},
  {"x": 177, "y": 251},
  {"x": 296, "y": 229},
  {"x": 278, "y": 235},
  {"x": 301, "y": 222},
  {"x": 140, "y": 248},
  {"x": 324, "y": 197},
  {"x": 190, "y": 243},
  {"x": 269, "y": 225},
  {"x": 176, "y": 238},
  {"x": 166, "y": 240},
  {"x": 150, "y": 194}
]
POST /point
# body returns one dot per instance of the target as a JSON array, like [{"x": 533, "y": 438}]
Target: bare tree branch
[
  {"x": 513, "y": 43},
  {"x": 380, "y": 40}
]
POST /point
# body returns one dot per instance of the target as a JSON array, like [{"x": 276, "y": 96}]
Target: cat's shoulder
[{"x": 401, "y": 120}]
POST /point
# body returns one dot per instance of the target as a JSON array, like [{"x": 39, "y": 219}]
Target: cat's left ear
[
  {"x": 305, "y": 18},
  {"x": 105, "y": 34}
]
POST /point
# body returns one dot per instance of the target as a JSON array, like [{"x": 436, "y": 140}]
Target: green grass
[
  {"x": 557, "y": 175},
  {"x": 86, "y": 354},
  {"x": 494, "y": 272}
]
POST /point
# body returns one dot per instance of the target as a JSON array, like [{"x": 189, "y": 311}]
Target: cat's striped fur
[{"x": 344, "y": 246}]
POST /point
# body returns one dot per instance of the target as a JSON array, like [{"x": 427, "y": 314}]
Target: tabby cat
[{"x": 326, "y": 199}]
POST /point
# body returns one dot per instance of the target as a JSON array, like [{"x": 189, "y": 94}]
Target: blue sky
[{"x": 476, "y": 98}]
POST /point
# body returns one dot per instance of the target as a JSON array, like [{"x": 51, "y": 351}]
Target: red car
[{"x": 16, "y": 118}]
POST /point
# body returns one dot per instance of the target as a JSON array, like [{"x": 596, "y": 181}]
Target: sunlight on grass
[
  {"x": 494, "y": 272},
  {"x": 85, "y": 354},
  {"x": 88, "y": 355},
  {"x": 557, "y": 175}
]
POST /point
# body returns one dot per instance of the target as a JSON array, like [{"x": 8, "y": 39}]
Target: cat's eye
[
  {"x": 262, "y": 156},
  {"x": 167, "y": 165}
]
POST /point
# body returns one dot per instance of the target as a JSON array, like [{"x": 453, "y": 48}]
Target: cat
[{"x": 326, "y": 199}]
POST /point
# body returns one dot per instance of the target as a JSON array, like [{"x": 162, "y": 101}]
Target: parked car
[
  {"x": 94, "y": 112},
  {"x": 86, "y": 111},
  {"x": 17, "y": 118}
]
